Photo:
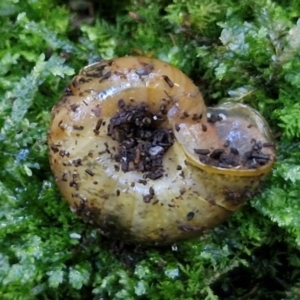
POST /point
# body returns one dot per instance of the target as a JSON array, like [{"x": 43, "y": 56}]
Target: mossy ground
[{"x": 235, "y": 51}]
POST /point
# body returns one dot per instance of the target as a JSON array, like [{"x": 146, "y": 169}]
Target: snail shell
[{"x": 135, "y": 151}]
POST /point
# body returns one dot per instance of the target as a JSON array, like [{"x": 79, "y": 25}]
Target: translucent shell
[{"x": 200, "y": 186}]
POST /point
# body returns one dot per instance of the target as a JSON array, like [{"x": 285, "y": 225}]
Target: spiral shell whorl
[{"x": 185, "y": 200}]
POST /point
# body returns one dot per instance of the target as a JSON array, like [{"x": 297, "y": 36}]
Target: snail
[{"x": 135, "y": 151}]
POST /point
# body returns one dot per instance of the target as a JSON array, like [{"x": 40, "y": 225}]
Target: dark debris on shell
[
  {"x": 213, "y": 118},
  {"x": 142, "y": 142},
  {"x": 229, "y": 157}
]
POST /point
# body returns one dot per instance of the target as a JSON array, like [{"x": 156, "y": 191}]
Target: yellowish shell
[{"x": 192, "y": 196}]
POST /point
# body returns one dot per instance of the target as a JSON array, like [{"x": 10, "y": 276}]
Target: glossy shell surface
[{"x": 191, "y": 196}]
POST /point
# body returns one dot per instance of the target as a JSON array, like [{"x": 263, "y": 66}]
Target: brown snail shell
[{"x": 107, "y": 168}]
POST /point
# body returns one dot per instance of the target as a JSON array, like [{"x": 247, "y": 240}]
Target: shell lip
[
  {"x": 234, "y": 171},
  {"x": 245, "y": 119}
]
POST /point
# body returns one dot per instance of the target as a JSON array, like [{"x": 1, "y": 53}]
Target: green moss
[{"x": 244, "y": 53}]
